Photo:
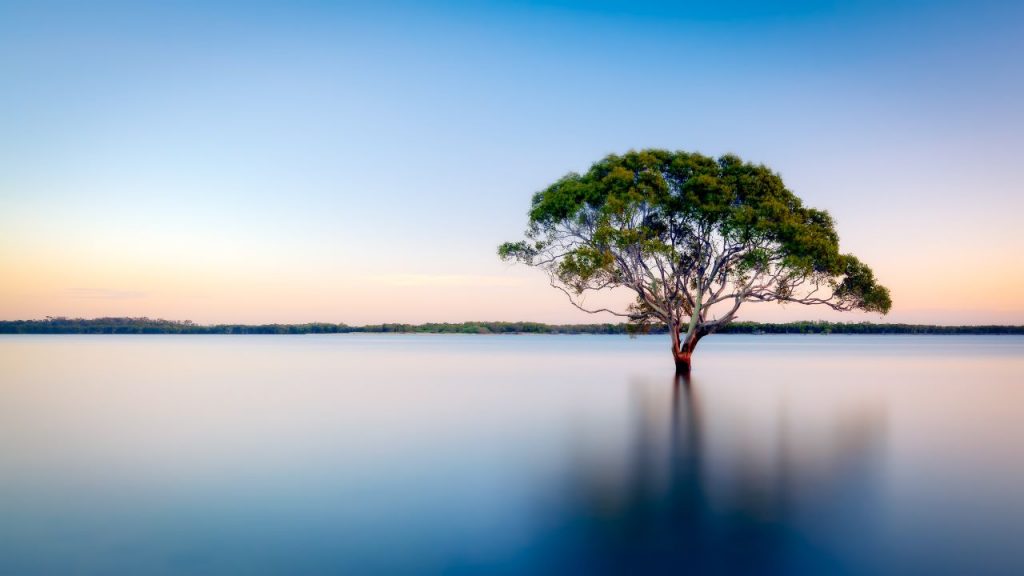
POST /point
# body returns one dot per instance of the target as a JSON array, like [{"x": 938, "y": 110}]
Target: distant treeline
[{"x": 149, "y": 326}]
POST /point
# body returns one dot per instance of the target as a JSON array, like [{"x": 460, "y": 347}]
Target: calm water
[{"x": 362, "y": 454}]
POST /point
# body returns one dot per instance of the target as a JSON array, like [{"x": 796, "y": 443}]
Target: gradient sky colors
[{"x": 290, "y": 162}]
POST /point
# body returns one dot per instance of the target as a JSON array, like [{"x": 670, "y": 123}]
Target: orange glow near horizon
[{"x": 235, "y": 290}]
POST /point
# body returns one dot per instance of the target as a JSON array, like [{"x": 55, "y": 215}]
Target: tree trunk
[
  {"x": 682, "y": 352},
  {"x": 682, "y": 363}
]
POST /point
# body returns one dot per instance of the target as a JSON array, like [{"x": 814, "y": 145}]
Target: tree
[{"x": 694, "y": 238}]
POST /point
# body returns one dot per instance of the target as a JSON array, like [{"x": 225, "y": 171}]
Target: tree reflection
[{"x": 673, "y": 504}]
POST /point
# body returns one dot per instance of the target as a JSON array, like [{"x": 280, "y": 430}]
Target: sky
[{"x": 305, "y": 161}]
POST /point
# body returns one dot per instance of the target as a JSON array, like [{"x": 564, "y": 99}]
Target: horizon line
[{"x": 186, "y": 322}]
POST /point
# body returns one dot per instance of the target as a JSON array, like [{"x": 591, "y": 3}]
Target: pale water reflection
[{"x": 529, "y": 454}]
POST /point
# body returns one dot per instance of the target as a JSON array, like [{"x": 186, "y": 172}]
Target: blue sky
[{"x": 342, "y": 162}]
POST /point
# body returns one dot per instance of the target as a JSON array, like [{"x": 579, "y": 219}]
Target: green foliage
[
  {"x": 860, "y": 286},
  {"x": 684, "y": 230}
]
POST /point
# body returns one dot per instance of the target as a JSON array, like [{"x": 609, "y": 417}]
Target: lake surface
[{"x": 401, "y": 454}]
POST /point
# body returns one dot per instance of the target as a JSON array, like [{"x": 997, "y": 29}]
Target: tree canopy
[{"x": 693, "y": 237}]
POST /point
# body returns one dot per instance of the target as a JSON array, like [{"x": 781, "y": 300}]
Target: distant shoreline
[{"x": 159, "y": 326}]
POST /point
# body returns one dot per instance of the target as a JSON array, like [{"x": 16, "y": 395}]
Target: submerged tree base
[{"x": 683, "y": 365}]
